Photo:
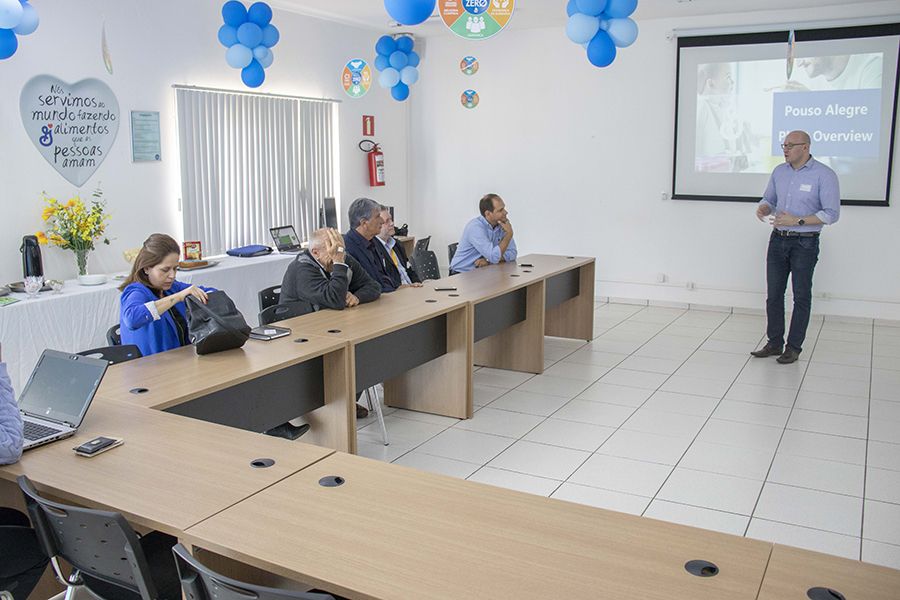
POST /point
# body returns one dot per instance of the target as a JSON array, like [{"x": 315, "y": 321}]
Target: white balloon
[
  {"x": 29, "y": 21},
  {"x": 11, "y": 12}
]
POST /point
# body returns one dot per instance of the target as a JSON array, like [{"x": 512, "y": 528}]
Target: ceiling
[{"x": 532, "y": 13}]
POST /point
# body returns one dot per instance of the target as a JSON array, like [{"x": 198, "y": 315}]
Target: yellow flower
[
  {"x": 71, "y": 203},
  {"x": 48, "y": 212},
  {"x": 41, "y": 237}
]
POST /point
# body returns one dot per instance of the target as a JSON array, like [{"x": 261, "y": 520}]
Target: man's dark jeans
[
  {"x": 797, "y": 257},
  {"x": 22, "y": 561}
]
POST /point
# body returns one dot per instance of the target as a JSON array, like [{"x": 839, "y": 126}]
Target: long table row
[{"x": 263, "y": 508}]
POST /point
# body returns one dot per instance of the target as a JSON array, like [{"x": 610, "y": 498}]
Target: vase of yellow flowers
[{"x": 76, "y": 226}]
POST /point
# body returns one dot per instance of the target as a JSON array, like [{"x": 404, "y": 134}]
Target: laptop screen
[
  {"x": 62, "y": 386},
  {"x": 285, "y": 237}
]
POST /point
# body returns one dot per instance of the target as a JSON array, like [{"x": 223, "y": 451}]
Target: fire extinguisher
[{"x": 376, "y": 162}]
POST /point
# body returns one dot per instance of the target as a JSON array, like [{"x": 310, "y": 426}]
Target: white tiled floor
[{"x": 664, "y": 414}]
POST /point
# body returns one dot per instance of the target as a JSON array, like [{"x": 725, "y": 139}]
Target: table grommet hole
[
  {"x": 301, "y": 341},
  {"x": 701, "y": 568},
  {"x": 453, "y": 295},
  {"x": 139, "y": 390},
  {"x": 822, "y": 593},
  {"x": 334, "y": 331},
  {"x": 332, "y": 481},
  {"x": 431, "y": 301},
  {"x": 261, "y": 463}
]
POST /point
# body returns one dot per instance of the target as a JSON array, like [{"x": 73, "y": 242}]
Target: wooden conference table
[{"x": 420, "y": 342}]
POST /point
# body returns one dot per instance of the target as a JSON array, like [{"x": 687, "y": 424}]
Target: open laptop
[
  {"x": 286, "y": 239},
  {"x": 58, "y": 395}
]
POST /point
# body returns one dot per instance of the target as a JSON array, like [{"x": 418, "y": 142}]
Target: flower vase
[{"x": 81, "y": 258}]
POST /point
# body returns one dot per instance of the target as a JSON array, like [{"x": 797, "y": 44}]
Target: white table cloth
[{"x": 77, "y": 319}]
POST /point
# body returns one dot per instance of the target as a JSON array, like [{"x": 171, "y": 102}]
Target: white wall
[
  {"x": 583, "y": 155},
  {"x": 153, "y": 46}
]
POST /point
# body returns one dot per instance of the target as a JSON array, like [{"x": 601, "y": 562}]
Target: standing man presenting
[
  {"x": 486, "y": 240},
  {"x": 802, "y": 196}
]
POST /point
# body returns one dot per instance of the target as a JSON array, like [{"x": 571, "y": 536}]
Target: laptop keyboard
[{"x": 33, "y": 431}]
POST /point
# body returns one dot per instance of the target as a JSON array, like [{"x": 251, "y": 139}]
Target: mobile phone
[
  {"x": 97, "y": 446},
  {"x": 445, "y": 289}
]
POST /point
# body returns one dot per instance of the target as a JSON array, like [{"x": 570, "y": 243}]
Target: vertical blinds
[{"x": 251, "y": 162}]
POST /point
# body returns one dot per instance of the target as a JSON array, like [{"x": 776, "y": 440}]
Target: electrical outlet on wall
[
  {"x": 661, "y": 278},
  {"x": 689, "y": 285}
]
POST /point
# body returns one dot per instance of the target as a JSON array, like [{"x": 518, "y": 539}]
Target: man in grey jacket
[
  {"x": 324, "y": 276},
  {"x": 21, "y": 560}
]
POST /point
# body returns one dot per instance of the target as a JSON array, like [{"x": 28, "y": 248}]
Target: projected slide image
[{"x": 746, "y": 108}]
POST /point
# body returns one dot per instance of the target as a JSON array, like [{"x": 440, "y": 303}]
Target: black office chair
[
  {"x": 280, "y": 312},
  {"x": 114, "y": 354},
  {"x": 199, "y": 582},
  {"x": 451, "y": 251},
  {"x": 269, "y": 297},
  {"x": 422, "y": 245},
  {"x": 106, "y": 555},
  {"x": 114, "y": 335},
  {"x": 426, "y": 265}
]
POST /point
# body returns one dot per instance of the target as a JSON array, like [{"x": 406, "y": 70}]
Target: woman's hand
[{"x": 196, "y": 292}]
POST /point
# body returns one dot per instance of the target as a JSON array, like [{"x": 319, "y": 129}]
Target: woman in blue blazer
[{"x": 152, "y": 313}]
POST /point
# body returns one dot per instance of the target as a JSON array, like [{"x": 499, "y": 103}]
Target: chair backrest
[
  {"x": 280, "y": 312},
  {"x": 269, "y": 297},
  {"x": 97, "y": 543},
  {"x": 199, "y": 582},
  {"x": 422, "y": 245},
  {"x": 426, "y": 265},
  {"x": 451, "y": 250},
  {"x": 114, "y": 335},
  {"x": 114, "y": 354}
]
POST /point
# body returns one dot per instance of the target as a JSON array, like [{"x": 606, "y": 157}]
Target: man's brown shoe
[
  {"x": 790, "y": 355},
  {"x": 767, "y": 350},
  {"x": 361, "y": 412}
]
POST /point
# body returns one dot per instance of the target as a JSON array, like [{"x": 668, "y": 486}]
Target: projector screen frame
[{"x": 781, "y": 37}]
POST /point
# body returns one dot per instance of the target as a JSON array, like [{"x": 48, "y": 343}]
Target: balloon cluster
[
  {"x": 397, "y": 62},
  {"x": 601, "y": 26},
  {"x": 249, "y": 37},
  {"x": 409, "y": 12},
  {"x": 17, "y": 17}
]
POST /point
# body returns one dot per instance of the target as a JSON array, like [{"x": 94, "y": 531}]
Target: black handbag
[{"x": 217, "y": 325}]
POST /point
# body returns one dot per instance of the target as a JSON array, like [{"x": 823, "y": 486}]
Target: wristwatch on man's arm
[{"x": 801, "y": 222}]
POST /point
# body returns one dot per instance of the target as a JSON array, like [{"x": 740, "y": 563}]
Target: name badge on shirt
[{"x": 806, "y": 187}]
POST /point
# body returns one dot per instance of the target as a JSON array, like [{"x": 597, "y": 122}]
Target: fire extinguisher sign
[{"x": 368, "y": 125}]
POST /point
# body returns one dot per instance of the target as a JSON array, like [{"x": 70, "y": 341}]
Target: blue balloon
[
  {"x": 405, "y": 44},
  {"x": 409, "y": 75},
  {"x": 8, "y": 43},
  {"x": 10, "y": 13},
  {"x": 622, "y": 31},
  {"x": 228, "y": 36},
  {"x": 409, "y": 12},
  {"x": 382, "y": 62},
  {"x": 399, "y": 59},
  {"x": 253, "y": 75},
  {"x": 29, "y": 20},
  {"x": 267, "y": 60},
  {"x": 389, "y": 78},
  {"x": 601, "y": 51},
  {"x": 385, "y": 45},
  {"x": 238, "y": 56},
  {"x": 591, "y": 7},
  {"x": 260, "y": 52},
  {"x": 582, "y": 28},
  {"x": 571, "y": 8},
  {"x": 250, "y": 35},
  {"x": 400, "y": 92},
  {"x": 413, "y": 59},
  {"x": 234, "y": 13},
  {"x": 260, "y": 13},
  {"x": 270, "y": 36},
  {"x": 619, "y": 9}
]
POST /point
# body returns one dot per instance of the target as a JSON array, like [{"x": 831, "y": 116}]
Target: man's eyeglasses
[{"x": 789, "y": 146}]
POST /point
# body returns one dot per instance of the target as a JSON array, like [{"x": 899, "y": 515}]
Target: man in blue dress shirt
[
  {"x": 486, "y": 240},
  {"x": 803, "y": 196}
]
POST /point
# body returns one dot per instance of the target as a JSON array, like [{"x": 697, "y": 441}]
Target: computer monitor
[{"x": 328, "y": 214}]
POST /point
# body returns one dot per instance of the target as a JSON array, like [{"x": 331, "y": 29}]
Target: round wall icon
[
  {"x": 476, "y": 19},
  {"x": 469, "y": 98},
  {"x": 468, "y": 65}
]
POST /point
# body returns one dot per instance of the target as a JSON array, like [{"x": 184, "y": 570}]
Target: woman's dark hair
[
  {"x": 155, "y": 250},
  {"x": 487, "y": 203}
]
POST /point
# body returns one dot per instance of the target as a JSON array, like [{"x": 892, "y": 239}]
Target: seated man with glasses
[{"x": 803, "y": 195}]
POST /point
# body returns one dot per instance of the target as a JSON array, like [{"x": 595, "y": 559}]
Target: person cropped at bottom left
[{"x": 22, "y": 562}]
